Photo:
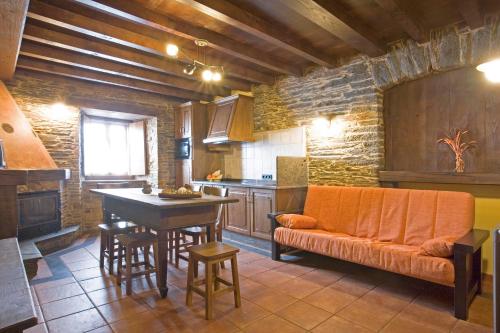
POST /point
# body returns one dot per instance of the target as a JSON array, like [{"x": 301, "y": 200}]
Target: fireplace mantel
[{"x": 10, "y": 177}]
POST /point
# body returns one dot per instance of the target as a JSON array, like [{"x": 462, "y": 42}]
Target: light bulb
[
  {"x": 189, "y": 69},
  {"x": 217, "y": 76},
  {"x": 491, "y": 70},
  {"x": 207, "y": 75},
  {"x": 172, "y": 50}
]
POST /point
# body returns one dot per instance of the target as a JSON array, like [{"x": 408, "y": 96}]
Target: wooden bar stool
[
  {"x": 109, "y": 246},
  {"x": 212, "y": 254},
  {"x": 130, "y": 243},
  {"x": 198, "y": 234}
]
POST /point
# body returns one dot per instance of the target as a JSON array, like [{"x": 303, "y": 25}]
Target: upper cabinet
[
  {"x": 183, "y": 115},
  {"x": 232, "y": 120}
]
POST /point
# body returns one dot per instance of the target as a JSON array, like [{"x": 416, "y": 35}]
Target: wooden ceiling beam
[
  {"x": 89, "y": 75},
  {"x": 100, "y": 49},
  {"x": 333, "y": 17},
  {"x": 233, "y": 15},
  {"x": 67, "y": 57},
  {"x": 138, "y": 14},
  {"x": 405, "y": 19},
  {"x": 12, "y": 19},
  {"x": 471, "y": 12},
  {"x": 101, "y": 30}
]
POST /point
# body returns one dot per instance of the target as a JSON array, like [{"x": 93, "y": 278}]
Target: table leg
[{"x": 161, "y": 277}]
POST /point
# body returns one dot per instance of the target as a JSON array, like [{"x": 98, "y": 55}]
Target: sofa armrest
[{"x": 472, "y": 241}]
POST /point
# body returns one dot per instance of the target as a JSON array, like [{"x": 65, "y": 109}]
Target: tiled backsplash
[{"x": 252, "y": 159}]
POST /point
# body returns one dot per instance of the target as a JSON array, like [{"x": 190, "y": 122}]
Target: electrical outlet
[{"x": 267, "y": 177}]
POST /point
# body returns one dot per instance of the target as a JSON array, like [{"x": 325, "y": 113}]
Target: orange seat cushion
[
  {"x": 296, "y": 221},
  {"x": 397, "y": 258},
  {"x": 438, "y": 247}
]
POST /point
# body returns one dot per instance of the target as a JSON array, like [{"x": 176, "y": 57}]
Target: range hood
[{"x": 231, "y": 120}]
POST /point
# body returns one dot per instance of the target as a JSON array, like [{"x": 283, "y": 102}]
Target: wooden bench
[{"x": 17, "y": 310}]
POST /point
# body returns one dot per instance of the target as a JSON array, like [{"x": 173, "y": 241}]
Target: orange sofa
[{"x": 385, "y": 228}]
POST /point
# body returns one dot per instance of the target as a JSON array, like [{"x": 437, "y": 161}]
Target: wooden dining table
[{"x": 161, "y": 215}]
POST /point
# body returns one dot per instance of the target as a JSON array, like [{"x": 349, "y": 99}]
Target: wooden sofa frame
[{"x": 466, "y": 260}]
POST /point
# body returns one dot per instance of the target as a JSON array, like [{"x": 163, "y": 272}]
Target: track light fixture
[{"x": 208, "y": 73}]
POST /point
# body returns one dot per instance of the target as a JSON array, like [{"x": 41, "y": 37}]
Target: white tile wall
[{"x": 250, "y": 160}]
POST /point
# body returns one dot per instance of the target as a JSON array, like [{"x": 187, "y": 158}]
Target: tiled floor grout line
[{"x": 400, "y": 311}]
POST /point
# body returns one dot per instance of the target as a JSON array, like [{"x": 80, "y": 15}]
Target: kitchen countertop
[{"x": 252, "y": 183}]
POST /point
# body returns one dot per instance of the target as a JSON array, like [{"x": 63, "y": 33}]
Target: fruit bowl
[{"x": 184, "y": 192}]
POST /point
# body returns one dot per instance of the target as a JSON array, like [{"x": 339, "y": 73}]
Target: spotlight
[
  {"x": 491, "y": 70},
  {"x": 189, "y": 69},
  {"x": 217, "y": 76},
  {"x": 207, "y": 75},
  {"x": 172, "y": 50}
]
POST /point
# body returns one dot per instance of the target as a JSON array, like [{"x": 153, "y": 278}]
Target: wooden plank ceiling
[{"x": 122, "y": 43}]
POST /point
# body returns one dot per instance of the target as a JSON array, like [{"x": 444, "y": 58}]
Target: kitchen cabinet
[
  {"x": 182, "y": 121},
  {"x": 249, "y": 215},
  {"x": 183, "y": 174},
  {"x": 237, "y": 213},
  {"x": 191, "y": 121},
  {"x": 232, "y": 120},
  {"x": 262, "y": 203}
]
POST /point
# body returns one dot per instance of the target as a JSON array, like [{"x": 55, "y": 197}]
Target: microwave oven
[{"x": 182, "y": 149}]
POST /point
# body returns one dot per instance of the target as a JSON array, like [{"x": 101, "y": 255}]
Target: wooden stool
[
  {"x": 198, "y": 234},
  {"x": 132, "y": 242},
  {"x": 108, "y": 244},
  {"x": 212, "y": 254}
]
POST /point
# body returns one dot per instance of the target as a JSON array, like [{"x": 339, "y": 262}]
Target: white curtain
[{"x": 113, "y": 148}]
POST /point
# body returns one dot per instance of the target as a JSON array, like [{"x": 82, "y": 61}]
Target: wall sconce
[
  {"x": 491, "y": 70},
  {"x": 329, "y": 127},
  {"x": 58, "y": 111}
]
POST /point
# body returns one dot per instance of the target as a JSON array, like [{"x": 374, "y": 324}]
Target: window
[{"x": 113, "y": 147}]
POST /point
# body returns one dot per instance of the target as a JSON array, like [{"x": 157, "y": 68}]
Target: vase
[{"x": 459, "y": 164}]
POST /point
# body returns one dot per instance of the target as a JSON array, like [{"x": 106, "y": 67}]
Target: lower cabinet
[
  {"x": 262, "y": 203},
  {"x": 237, "y": 213},
  {"x": 249, "y": 215}
]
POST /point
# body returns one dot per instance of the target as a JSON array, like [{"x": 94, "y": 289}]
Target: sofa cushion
[
  {"x": 434, "y": 269},
  {"x": 397, "y": 258},
  {"x": 401, "y": 216},
  {"x": 438, "y": 247},
  {"x": 296, "y": 221}
]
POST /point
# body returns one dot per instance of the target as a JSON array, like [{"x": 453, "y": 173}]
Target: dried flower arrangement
[{"x": 458, "y": 147}]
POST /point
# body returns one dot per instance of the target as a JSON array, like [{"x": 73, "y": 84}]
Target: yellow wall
[{"x": 487, "y": 211}]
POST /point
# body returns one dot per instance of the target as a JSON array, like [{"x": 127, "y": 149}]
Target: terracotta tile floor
[{"x": 303, "y": 293}]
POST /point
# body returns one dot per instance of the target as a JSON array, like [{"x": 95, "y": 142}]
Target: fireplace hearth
[{"x": 39, "y": 213}]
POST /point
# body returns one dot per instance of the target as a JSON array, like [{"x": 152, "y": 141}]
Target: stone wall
[
  {"x": 35, "y": 94},
  {"x": 352, "y": 95},
  {"x": 349, "y": 95}
]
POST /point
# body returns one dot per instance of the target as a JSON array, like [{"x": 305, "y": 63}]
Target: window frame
[{"x": 83, "y": 114}]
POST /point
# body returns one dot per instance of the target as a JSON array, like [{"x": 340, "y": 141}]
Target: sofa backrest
[{"x": 397, "y": 215}]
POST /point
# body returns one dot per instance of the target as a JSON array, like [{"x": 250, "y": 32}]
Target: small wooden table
[{"x": 161, "y": 215}]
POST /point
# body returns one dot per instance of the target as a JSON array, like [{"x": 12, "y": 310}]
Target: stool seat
[
  {"x": 136, "y": 239},
  {"x": 194, "y": 230},
  {"x": 122, "y": 225},
  {"x": 212, "y": 251}
]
